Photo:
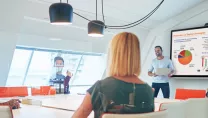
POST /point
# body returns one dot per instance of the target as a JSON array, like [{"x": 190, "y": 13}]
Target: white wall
[
  {"x": 11, "y": 19},
  {"x": 193, "y": 17},
  {"x": 45, "y": 42},
  {"x": 7, "y": 46},
  {"x": 37, "y": 34}
]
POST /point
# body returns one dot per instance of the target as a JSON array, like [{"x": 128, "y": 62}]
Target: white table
[
  {"x": 72, "y": 102},
  {"x": 68, "y": 102},
  {"x": 30, "y": 111}
]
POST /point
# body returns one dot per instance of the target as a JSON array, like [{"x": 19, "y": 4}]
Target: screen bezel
[{"x": 185, "y": 29}]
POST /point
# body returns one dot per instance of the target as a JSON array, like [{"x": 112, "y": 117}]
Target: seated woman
[
  {"x": 13, "y": 103},
  {"x": 122, "y": 91}
]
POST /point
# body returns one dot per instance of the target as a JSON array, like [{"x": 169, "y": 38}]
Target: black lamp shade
[
  {"x": 61, "y": 13},
  {"x": 96, "y": 28}
]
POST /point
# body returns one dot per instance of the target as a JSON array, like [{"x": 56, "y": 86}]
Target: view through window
[{"x": 35, "y": 67}]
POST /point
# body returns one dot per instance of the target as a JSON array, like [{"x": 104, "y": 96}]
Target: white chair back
[
  {"x": 5, "y": 112},
  {"x": 174, "y": 109},
  {"x": 159, "y": 114},
  {"x": 197, "y": 108}
]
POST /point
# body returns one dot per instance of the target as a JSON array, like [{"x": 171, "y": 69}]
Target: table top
[
  {"x": 53, "y": 103},
  {"x": 71, "y": 102},
  {"x": 59, "y": 106},
  {"x": 30, "y": 111}
]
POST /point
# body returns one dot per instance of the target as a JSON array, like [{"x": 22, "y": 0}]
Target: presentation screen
[{"x": 189, "y": 52}]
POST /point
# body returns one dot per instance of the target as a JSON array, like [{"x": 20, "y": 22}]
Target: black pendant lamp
[
  {"x": 96, "y": 28},
  {"x": 61, "y": 13}
]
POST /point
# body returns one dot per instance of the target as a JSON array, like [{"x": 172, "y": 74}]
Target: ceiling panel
[{"x": 123, "y": 11}]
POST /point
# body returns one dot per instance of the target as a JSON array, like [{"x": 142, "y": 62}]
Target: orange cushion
[
  {"x": 52, "y": 91},
  {"x": 35, "y": 91},
  {"x": 44, "y": 90},
  {"x": 189, "y": 93},
  {"x": 4, "y": 92},
  {"x": 18, "y": 91}
]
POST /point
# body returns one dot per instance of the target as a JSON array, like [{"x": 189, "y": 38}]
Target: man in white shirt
[{"x": 161, "y": 81}]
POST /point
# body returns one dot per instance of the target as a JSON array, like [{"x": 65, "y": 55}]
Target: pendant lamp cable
[
  {"x": 60, "y": 1},
  {"x": 133, "y": 24},
  {"x": 103, "y": 12},
  {"x": 67, "y": 1},
  {"x": 138, "y": 21},
  {"x": 81, "y": 16},
  {"x": 96, "y": 9}
]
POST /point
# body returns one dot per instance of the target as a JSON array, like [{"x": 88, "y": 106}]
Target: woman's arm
[
  {"x": 84, "y": 109},
  {"x": 13, "y": 103}
]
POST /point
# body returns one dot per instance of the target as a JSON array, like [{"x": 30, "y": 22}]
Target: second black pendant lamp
[
  {"x": 96, "y": 27},
  {"x": 61, "y": 13}
]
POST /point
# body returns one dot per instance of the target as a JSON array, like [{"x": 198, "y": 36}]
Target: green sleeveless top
[{"x": 111, "y": 91}]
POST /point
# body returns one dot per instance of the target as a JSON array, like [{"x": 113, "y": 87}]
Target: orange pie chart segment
[{"x": 184, "y": 57}]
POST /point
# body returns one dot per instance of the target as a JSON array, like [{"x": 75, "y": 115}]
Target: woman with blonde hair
[{"x": 122, "y": 91}]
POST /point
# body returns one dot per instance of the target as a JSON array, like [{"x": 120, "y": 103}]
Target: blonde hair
[{"x": 124, "y": 55}]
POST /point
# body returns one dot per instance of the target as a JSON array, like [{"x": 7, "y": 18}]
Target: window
[
  {"x": 18, "y": 67},
  {"x": 71, "y": 62},
  {"x": 40, "y": 68},
  {"x": 35, "y": 67},
  {"x": 90, "y": 69}
]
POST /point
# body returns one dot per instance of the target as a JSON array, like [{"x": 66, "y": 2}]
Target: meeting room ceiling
[{"x": 119, "y": 12}]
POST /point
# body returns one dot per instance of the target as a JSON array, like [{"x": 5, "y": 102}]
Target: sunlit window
[
  {"x": 18, "y": 67},
  {"x": 35, "y": 67},
  {"x": 40, "y": 68}
]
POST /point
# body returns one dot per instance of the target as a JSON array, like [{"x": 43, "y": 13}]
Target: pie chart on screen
[{"x": 184, "y": 57}]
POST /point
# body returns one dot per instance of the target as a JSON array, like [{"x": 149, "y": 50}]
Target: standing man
[{"x": 161, "y": 81}]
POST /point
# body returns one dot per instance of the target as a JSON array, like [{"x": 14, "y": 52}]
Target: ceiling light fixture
[
  {"x": 61, "y": 13},
  {"x": 96, "y": 27},
  {"x": 55, "y": 39}
]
